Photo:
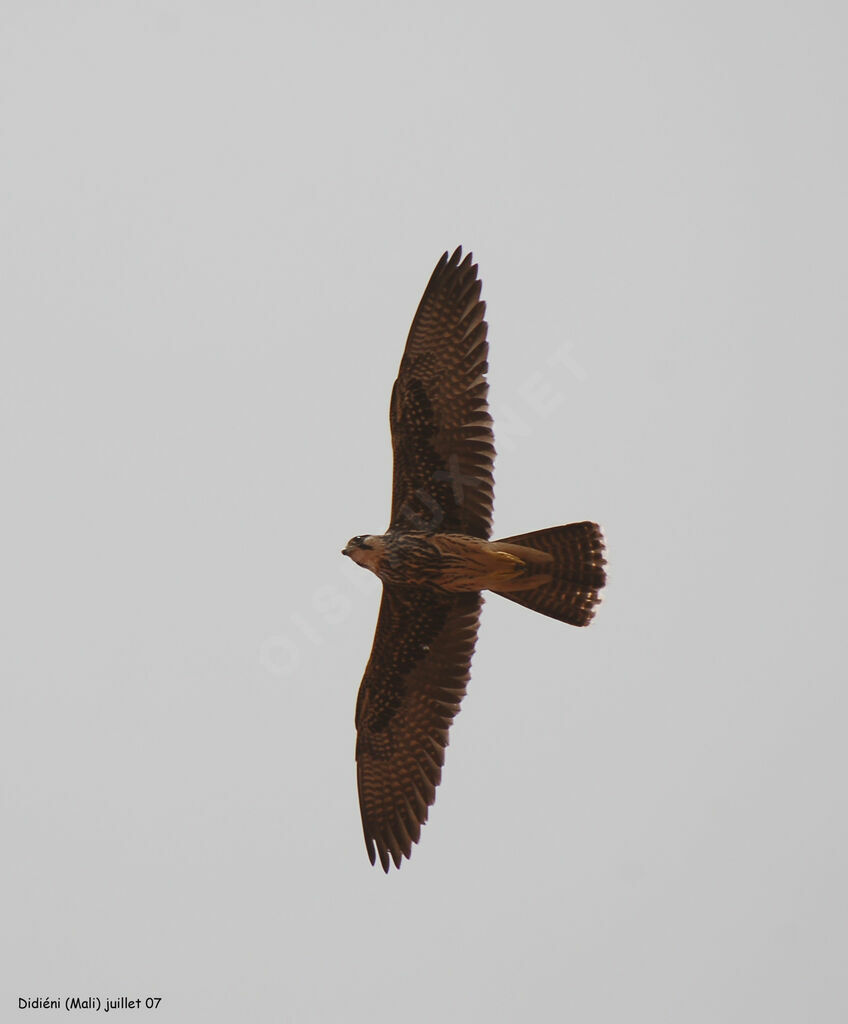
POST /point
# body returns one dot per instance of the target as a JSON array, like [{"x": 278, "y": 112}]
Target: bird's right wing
[{"x": 411, "y": 691}]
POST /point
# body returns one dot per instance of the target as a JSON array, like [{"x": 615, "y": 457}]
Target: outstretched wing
[
  {"x": 441, "y": 427},
  {"x": 412, "y": 688}
]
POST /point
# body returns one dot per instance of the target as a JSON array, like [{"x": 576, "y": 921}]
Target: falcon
[{"x": 436, "y": 558}]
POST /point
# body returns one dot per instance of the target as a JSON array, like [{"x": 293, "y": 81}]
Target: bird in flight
[{"x": 436, "y": 558}]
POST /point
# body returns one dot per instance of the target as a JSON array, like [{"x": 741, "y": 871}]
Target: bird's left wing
[
  {"x": 411, "y": 691},
  {"x": 439, "y": 414}
]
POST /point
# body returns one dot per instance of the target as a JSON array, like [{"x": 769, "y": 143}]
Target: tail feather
[{"x": 569, "y": 564}]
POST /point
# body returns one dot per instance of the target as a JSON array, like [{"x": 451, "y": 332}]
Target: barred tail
[{"x": 568, "y": 562}]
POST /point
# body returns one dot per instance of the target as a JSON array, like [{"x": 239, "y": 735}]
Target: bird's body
[
  {"x": 452, "y": 562},
  {"x": 436, "y": 559}
]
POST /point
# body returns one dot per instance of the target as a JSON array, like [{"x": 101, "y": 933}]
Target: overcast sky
[{"x": 217, "y": 220}]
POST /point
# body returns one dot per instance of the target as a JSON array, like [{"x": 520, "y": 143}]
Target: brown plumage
[{"x": 436, "y": 558}]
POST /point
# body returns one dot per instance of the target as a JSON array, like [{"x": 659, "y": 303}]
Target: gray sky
[{"x": 217, "y": 221}]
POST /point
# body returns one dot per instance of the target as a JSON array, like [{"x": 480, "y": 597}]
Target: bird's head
[{"x": 364, "y": 550}]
